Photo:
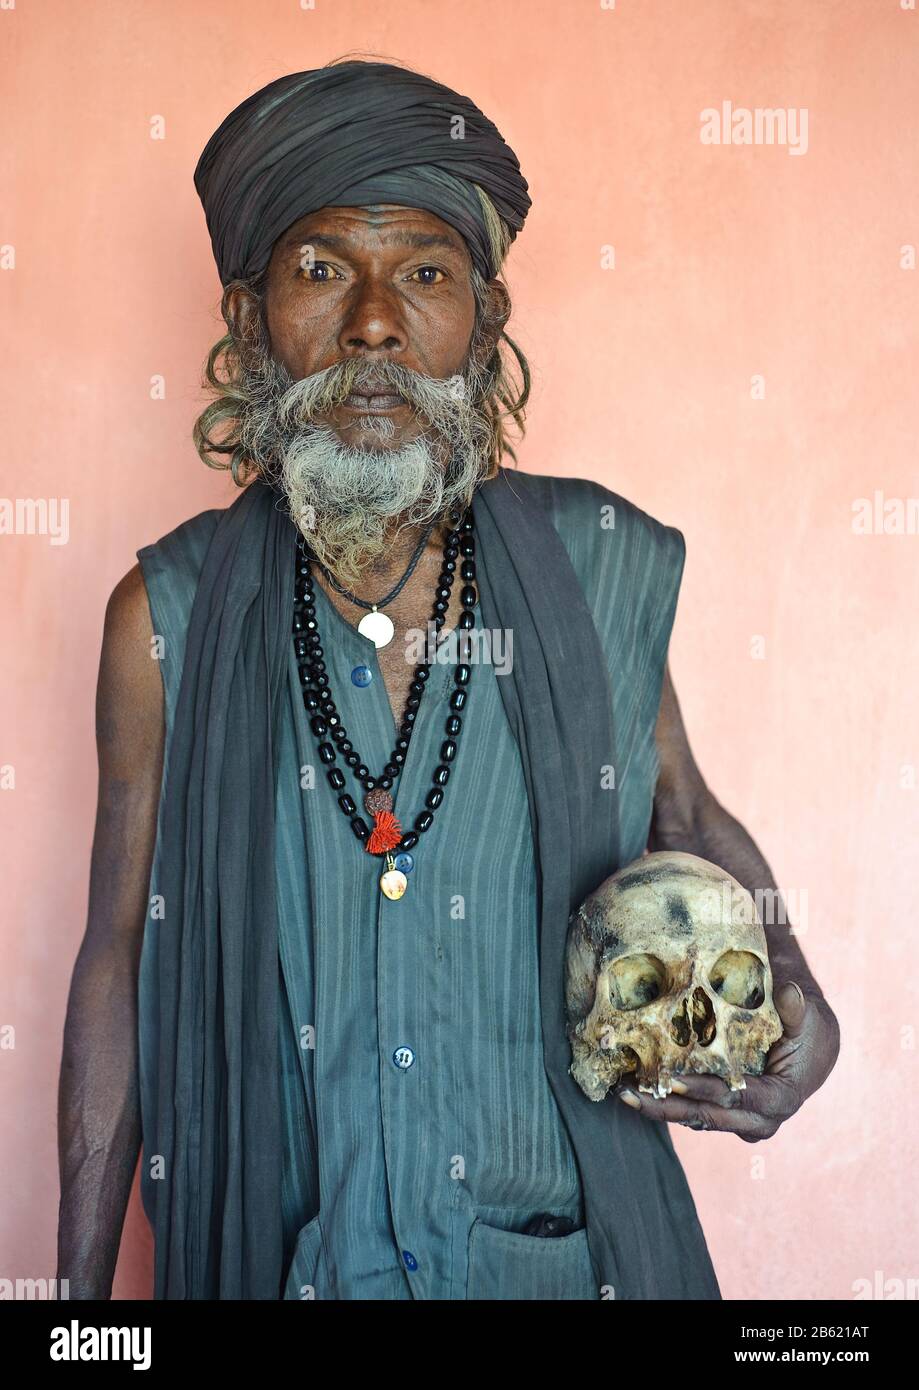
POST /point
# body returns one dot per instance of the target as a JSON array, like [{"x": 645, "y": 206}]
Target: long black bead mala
[{"x": 326, "y": 724}]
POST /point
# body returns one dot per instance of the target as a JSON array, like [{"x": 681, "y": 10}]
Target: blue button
[
  {"x": 404, "y": 861},
  {"x": 409, "y": 1259},
  {"x": 361, "y": 675},
  {"x": 403, "y": 1058}
]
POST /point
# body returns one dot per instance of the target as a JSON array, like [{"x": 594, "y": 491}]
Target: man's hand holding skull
[
  {"x": 669, "y": 997},
  {"x": 796, "y": 1066}
]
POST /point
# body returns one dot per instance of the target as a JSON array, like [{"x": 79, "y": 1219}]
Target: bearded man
[{"x": 339, "y": 835}]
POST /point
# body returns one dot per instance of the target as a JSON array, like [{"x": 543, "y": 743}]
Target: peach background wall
[{"x": 794, "y": 651}]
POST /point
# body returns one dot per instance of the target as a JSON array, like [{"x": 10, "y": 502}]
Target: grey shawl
[{"x": 218, "y": 1223}]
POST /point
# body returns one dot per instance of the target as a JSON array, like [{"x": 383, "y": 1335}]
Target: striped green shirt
[{"x": 422, "y": 1136}]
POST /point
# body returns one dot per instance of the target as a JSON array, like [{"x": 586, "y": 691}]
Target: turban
[{"x": 349, "y": 135}]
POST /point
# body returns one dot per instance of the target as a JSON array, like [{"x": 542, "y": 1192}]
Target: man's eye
[
  {"x": 319, "y": 273},
  {"x": 426, "y": 270}
]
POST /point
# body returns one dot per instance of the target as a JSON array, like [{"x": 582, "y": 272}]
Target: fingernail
[
  {"x": 680, "y": 1089},
  {"x": 800, "y": 991},
  {"x": 630, "y": 1098}
]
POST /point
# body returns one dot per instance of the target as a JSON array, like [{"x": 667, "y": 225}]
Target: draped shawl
[{"x": 218, "y": 1214}]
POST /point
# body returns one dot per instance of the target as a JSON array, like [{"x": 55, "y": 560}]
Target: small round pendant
[
  {"x": 393, "y": 884},
  {"x": 377, "y": 627}
]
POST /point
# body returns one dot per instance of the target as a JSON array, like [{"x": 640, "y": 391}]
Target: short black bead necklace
[{"x": 326, "y": 724}]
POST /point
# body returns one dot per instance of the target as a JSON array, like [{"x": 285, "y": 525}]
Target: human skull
[{"x": 667, "y": 972}]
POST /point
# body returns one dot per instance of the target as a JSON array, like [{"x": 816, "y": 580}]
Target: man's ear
[
  {"x": 497, "y": 313},
  {"x": 243, "y": 311}
]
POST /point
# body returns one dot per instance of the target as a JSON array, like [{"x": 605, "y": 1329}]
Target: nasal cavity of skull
[
  {"x": 739, "y": 978},
  {"x": 694, "y": 1019},
  {"x": 635, "y": 981}
]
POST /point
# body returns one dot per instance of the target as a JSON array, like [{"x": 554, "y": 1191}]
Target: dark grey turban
[{"x": 350, "y": 135}]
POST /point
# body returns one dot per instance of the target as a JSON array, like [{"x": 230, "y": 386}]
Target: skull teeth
[{"x": 661, "y": 1089}]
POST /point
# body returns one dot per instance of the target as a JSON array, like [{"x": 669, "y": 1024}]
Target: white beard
[
  {"x": 351, "y": 502},
  {"x": 345, "y": 500}
]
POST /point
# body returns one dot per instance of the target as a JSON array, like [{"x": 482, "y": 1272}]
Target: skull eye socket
[
  {"x": 635, "y": 981},
  {"x": 739, "y": 978}
]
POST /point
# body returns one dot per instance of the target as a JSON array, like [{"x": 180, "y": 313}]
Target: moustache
[{"x": 433, "y": 398}]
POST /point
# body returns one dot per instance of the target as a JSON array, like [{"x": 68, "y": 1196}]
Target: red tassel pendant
[
  {"x": 386, "y": 832},
  {"x": 385, "y": 835},
  {"x": 383, "y": 838}
]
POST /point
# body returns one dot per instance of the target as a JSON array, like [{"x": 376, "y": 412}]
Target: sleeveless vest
[{"x": 421, "y": 1136}]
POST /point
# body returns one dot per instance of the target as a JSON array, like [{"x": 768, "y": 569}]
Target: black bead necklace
[
  {"x": 326, "y": 724},
  {"x": 377, "y": 624}
]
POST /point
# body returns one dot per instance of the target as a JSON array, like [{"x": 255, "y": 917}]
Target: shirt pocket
[
  {"x": 306, "y": 1277},
  {"x": 507, "y": 1265}
]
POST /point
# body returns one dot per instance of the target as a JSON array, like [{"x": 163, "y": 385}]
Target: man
[{"x": 327, "y": 992}]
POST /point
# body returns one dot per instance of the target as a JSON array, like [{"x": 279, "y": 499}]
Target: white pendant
[
  {"x": 377, "y": 627},
  {"x": 393, "y": 884}
]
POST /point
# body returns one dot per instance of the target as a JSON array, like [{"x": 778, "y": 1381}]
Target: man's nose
[{"x": 373, "y": 321}]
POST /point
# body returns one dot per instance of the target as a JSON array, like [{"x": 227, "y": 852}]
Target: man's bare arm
[
  {"x": 99, "y": 1130},
  {"x": 687, "y": 817}
]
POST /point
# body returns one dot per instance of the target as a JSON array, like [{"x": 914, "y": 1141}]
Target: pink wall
[{"x": 729, "y": 262}]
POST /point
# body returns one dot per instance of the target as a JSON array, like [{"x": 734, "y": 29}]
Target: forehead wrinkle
[
  {"x": 415, "y": 240},
  {"x": 446, "y": 240}
]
